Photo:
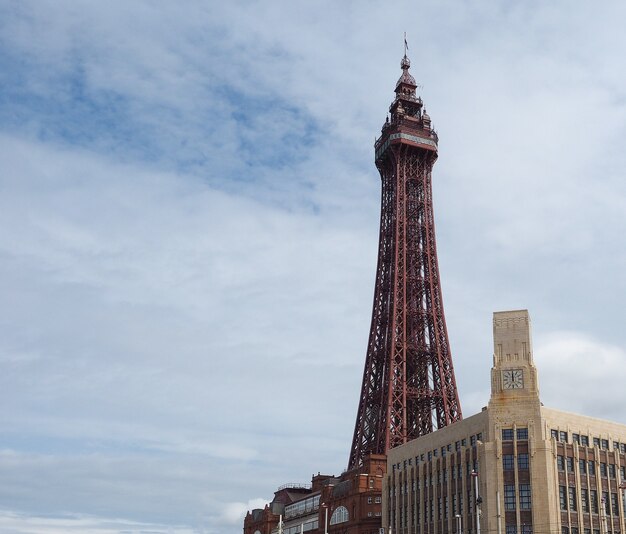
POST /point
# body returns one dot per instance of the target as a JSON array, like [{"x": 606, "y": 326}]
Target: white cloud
[
  {"x": 581, "y": 374},
  {"x": 188, "y": 231},
  {"x": 234, "y": 512},
  {"x": 14, "y": 523}
]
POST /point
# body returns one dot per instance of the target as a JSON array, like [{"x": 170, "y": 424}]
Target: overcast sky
[{"x": 189, "y": 223}]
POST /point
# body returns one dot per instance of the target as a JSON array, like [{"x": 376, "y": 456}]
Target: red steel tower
[{"x": 408, "y": 384}]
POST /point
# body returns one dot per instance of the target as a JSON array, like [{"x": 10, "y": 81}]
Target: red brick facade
[{"x": 350, "y": 504}]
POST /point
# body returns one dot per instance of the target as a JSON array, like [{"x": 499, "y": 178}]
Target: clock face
[{"x": 513, "y": 379}]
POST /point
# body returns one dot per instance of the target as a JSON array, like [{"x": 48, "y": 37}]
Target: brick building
[{"x": 348, "y": 504}]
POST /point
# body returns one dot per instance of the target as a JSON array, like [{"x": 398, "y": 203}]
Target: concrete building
[{"x": 537, "y": 470}]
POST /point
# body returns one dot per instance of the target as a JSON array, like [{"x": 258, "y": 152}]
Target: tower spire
[{"x": 408, "y": 388}]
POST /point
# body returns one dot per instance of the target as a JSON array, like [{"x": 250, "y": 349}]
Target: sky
[{"x": 189, "y": 222}]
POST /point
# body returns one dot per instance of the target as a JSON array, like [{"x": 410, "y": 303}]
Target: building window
[
  {"x": 605, "y": 444},
  {"x": 564, "y": 530},
  {"x": 509, "y": 497},
  {"x": 369, "y": 500},
  {"x": 584, "y": 500},
  {"x": 576, "y": 438},
  {"x": 524, "y": 497},
  {"x": 522, "y": 460},
  {"x": 562, "y": 498},
  {"x": 555, "y": 434},
  {"x": 570, "y": 464},
  {"x": 602, "y": 469},
  {"x": 378, "y": 500},
  {"x": 527, "y": 529},
  {"x": 560, "y": 463},
  {"x": 457, "y": 445},
  {"x": 574, "y": 530},
  {"x": 340, "y": 515},
  {"x": 584, "y": 440},
  {"x": 622, "y": 473},
  {"x": 591, "y": 465},
  {"x": 511, "y": 529},
  {"x": 472, "y": 440},
  {"x": 596, "y": 442},
  {"x": 594, "y": 501},
  {"x": 611, "y": 470},
  {"x": 563, "y": 436},
  {"x": 522, "y": 433},
  {"x": 616, "y": 445},
  {"x": 614, "y": 504},
  {"x": 507, "y": 462},
  {"x": 572, "y": 498},
  {"x": 507, "y": 434},
  {"x": 582, "y": 467}
]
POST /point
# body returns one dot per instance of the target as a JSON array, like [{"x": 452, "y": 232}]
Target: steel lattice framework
[{"x": 408, "y": 387}]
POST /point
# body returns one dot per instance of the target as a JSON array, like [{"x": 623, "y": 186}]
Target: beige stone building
[{"x": 537, "y": 470}]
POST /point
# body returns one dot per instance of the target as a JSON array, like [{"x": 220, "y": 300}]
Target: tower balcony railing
[
  {"x": 410, "y": 97},
  {"x": 409, "y": 123}
]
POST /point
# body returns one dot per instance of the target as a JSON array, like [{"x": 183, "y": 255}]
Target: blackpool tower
[{"x": 408, "y": 387}]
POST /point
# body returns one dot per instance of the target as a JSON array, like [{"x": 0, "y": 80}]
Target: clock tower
[{"x": 513, "y": 375}]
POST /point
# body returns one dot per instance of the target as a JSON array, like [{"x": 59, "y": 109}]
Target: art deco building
[{"x": 537, "y": 470}]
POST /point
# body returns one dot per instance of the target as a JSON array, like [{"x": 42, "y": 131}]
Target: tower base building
[
  {"x": 517, "y": 467},
  {"x": 348, "y": 504}
]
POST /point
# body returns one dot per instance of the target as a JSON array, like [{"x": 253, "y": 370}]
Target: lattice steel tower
[{"x": 408, "y": 384}]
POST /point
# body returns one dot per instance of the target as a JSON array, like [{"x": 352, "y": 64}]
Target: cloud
[
  {"x": 581, "y": 374},
  {"x": 188, "y": 233},
  {"x": 235, "y": 512},
  {"x": 14, "y": 523}
]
